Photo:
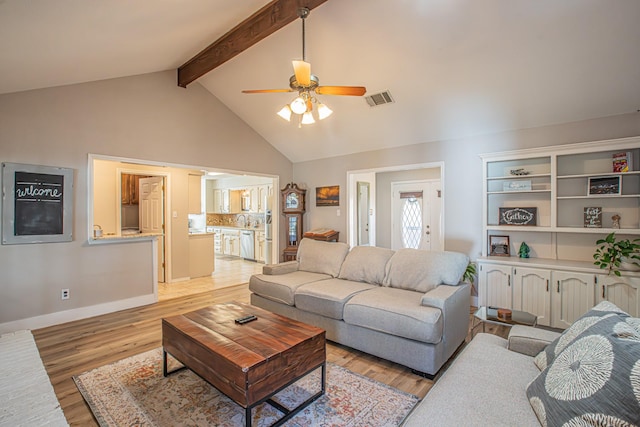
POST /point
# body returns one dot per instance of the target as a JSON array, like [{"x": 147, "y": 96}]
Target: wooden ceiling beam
[{"x": 258, "y": 26}]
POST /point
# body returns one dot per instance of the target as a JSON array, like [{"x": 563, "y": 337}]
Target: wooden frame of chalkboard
[{"x": 37, "y": 204}]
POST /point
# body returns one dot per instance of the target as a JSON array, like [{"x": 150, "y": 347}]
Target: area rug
[{"x": 134, "y": 392}]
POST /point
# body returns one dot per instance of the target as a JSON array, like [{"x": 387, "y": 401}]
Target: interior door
[
  {"x": 363, "y": 213},
  {"x": 416, "y": 217},
  {"x": 151, "y": 192}
]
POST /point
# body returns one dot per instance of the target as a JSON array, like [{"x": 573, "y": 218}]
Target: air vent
[{"x": 379, "y": 98}]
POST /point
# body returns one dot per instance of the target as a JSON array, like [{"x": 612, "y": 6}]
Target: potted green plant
[
  {"x": 469, "y": 275},
  {"x": 612, "y": 253}
]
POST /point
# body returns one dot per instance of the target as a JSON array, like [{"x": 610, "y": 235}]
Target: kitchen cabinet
[
  {"x": 573, "y": 294},
  {"x": 129, "y": 189},
  {"x": 622, "y": 291},
  {"x": 265, "y": 194},
  {"x": 231, "y": 242},
  {"x": 201, "y": 255},
  {"x": 195, "y": 194},
  {"x": 217, "y": 241}
]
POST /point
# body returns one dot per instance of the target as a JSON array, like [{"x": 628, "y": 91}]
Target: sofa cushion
[
  {"x": 281, "y": 287},
  {"x": 598, "y": 313},
  {"x": 321, "y": 257},
  {"x": 594, "y": 380},
  {"x": 421, "y": 270},
  {"x": 396, "y": 312},
  {"x": 366, "y": 264},
  {"x": 328, "y": 297},
  {"x": 484, "y": 386}
]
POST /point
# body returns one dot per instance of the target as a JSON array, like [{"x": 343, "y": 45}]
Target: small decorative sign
[
  {"x": 521, "y": 185},
  {"x": 593, "y": 217},
  {"x": 518, "y": 216}
]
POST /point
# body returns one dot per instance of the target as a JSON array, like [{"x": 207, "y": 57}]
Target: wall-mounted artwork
[
  {"x": 37, "y": 204},
  {"x": 328, "y": 196}
]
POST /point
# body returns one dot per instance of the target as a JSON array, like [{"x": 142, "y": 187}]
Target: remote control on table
[{"x": 246, "y": 319}]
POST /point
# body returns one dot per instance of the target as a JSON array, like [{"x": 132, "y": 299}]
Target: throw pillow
[
  {"x": 365, "y": 264},
  {"x": 420, "y": 270},
  {"x": 316, "y": 256},
  {"x": 600, "y": 312},
  {"x": 595, "y": 380}
]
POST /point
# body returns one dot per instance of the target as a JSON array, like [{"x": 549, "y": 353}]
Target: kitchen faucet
[{"x": 244, "y": 220}]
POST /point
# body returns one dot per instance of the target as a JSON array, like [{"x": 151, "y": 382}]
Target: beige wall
[
  {"x": 141, "y": 117},
  {"x": 462, "y": 172}
]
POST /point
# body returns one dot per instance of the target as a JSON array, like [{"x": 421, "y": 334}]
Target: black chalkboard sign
[{"x": 37, "y": 204}]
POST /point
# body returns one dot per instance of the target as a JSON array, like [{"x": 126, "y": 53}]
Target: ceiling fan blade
[
  {"x": 267, "y": 90},
  {"x": 341, "y": 90},
  {"x": 302, "y": 70}
]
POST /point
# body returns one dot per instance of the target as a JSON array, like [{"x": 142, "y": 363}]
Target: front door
[
  {"x": 416, "y": 215},
  {"x": 151, "y": 192}
]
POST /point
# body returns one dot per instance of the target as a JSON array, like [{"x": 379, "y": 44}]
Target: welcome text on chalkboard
[{"x": 37, "y": 204}]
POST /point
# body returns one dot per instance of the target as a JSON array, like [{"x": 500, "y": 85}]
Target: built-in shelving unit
[{"x": 553, "y": 189}]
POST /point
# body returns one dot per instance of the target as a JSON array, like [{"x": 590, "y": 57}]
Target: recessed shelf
[
  {"x": 601, "y": 196},
  {"x": 588, "y": 175},
  {"x": 519, "y": 192},
  {"x": 535, "y": 175}
]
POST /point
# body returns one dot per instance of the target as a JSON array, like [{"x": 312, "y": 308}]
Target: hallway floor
[{"x": 229, "y": 271}]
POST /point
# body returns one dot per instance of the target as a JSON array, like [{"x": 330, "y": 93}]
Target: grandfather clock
[{"x": 293, "y": 207}]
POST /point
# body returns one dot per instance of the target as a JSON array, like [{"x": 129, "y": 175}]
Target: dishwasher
[{"x": 247, "y": 245}]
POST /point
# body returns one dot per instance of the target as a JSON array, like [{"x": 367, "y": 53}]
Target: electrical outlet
[{"x": 64, "y": 294}]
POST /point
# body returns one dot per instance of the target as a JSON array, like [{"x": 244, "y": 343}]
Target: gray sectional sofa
[
  {"x": 408, "y": 306},
  {"x": 587, "y": 376}
]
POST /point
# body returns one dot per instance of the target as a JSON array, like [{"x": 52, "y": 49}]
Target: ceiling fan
[{"x": 308, "y": 86}]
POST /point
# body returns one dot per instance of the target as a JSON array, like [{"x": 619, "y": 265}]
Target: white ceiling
[{"x": 456, "y": 68}]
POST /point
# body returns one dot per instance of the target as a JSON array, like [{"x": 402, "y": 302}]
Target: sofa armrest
[
  {"x": 282, "y": 268},
  {"x": 454, "y": 302},
  {"x": 528, "y": 340}
]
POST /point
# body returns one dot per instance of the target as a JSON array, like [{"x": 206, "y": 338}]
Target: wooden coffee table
[{"x": 250, "y": 362}]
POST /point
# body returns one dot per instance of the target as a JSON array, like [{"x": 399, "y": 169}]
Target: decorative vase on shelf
[{"x": 524, "y": 250}]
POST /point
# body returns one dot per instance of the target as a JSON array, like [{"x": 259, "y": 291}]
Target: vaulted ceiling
[{"x": 455, "y": 68}]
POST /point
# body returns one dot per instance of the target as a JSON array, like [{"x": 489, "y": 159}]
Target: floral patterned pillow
[
  {"x": 598, "y": 313},
  {"x": 594, "y": 380}
]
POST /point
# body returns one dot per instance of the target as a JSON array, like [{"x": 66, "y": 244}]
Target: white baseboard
[{"x": 76, "y": 314}]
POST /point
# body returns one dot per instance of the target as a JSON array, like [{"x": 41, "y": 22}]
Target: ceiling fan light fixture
[
  {"x": 324, "y": 111},
  {"x": 307, "y": 118},
  {"x": 285, "y": 113},
  {"x": 298, "y": 105}
]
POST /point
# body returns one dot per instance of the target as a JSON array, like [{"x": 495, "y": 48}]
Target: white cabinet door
[
  {"x": 225, "y": 200},
  {"x": 622, "y": 291},
  {"x": 495, "y": 285},
  {"x": 254, "y": 198},
  {"x": 531, "y": 292},
  {"x": 572, "y": 295}
]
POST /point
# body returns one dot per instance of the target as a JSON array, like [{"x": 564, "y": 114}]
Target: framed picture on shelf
[
  {"x": 605, "y": 185},
  {"x": 499, "y": 246}
]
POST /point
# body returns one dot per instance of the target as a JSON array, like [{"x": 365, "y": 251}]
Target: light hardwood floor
[{"x": 75, "y": 347}]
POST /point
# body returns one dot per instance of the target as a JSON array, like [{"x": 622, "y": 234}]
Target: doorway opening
[
  {"x": 143, "y": 209},
  {"x": 380, "y": 205}
]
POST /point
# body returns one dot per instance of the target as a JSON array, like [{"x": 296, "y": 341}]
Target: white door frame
[{"x": 352, "y": 195}]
